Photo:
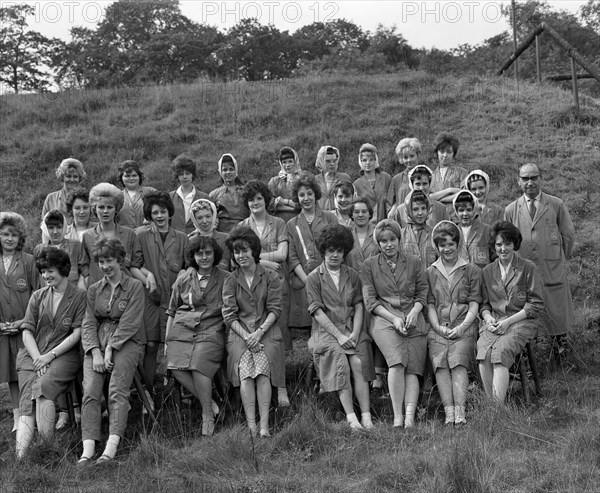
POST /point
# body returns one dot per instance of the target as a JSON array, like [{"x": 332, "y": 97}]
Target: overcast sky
[{"x": 443, "y": 24}]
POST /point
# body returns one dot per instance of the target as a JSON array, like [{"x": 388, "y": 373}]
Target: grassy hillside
[{"x": 554, "y": 446}]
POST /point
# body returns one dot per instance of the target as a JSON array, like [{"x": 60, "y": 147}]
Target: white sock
[
  {"x": 89, "y": 448},
  {"x": 449, "y": 411},
  {"x": 460, "y": 415},
  {"x": 409, "y": 420},
  {"x": 398, "y": 421},
  {"x": 111, "y": 446},
  {"x": 16, "y": 415},
  {"x": 366, "y": 421}
]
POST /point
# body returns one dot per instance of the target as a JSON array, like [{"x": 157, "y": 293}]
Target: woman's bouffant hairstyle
[
  {"x": 198, "y": 243},
  {"x": 411, "y": 143},
  {"x": 162, "y": 199},
  {"x": 335, "y": 236},
  {"x": 254, "y": 187},
  {"x": 108, "y": 248},
  {"x": 183, "y": 163},
  {"x": 54, "y": 218},
  {"x": 361, "y": 200},
  {"x": 241, "y": 238},
  {"x": 387, "y": 225},
  {"x": 444, "y": 139},
  {"x": 445, "y": 228},
  {"x": 306, "y": 180},
  {"x": 79, "y": 193},
  {"x": 128, "y": 166},
  {"x": 106, "y": 190},
  {"x": 68, "y": 163},
  {"x": 15, "y": 222},
  {"x": 51, "y": 257},
  {"x": 508, "y": 232}
]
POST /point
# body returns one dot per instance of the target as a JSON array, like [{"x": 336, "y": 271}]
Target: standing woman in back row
[
  {"x": 185, "y": 172},
  {"x": 231, "y": 208},
  {"x": 70, "y": 173},
  {"x": 131, "y": 177},
  {"x": 303, "y": 254},
  {"x": 281, "y": 185},
  {"x": 373, "y": 183}
]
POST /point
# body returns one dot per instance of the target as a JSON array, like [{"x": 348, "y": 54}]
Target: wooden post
[
  {"x": 538, "y": 59},
  {"x": 514, "y": 23},
  {"x": 575, "y": 88}
]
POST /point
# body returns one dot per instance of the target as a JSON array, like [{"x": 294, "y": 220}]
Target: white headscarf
[
  {"x": 294, "y": 175},
  {"x": 44, "y": 227},
  {"x": 418, "y": 167},
  {"x": 235, "y": 164},
  {"x": 321, "y": 155},
  {"x": 475, "y": 201}
]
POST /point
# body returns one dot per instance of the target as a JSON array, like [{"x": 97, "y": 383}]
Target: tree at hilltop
[{"x": 24, "y": 54}]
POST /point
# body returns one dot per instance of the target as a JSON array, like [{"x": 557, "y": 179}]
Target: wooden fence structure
[{"x": 534, "y": 37}]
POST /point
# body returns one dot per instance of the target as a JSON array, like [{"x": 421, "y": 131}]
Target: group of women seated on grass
[{"x": 221, "y": 277}]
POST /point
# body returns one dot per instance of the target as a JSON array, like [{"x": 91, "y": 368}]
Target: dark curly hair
[
  {"x": 508, "y": 232},
  {"x": 51, "y": 257},
  {"x": 198, "y": 243},
  {"x": 79, "y": 193},
  {"x": 183, "y": 163},
  {"x": 306, "y": 180},
  {"x": 254, "y": 187},
  {"x": 108, "y": 248},
  {"x": 162, "y": 199},
  {"x": 446, "y": 139},
  {"x": 126, "y": 167},
  {"x": 241, "y": 238},
  {"x": 335, "y": 236},
  {"x": 361, "y": 200}
]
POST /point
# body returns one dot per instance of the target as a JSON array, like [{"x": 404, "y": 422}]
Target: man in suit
[{"x": 548, "y": 238}]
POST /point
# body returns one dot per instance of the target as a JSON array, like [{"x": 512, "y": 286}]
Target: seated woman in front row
[
  {"x": 49, "y": 360},
  {"x": 195, "y": 340},
  {"x": 339, "y": 343},
  {"x": 111, "y": 335},
  {"x": 512, "y": 298},
  {"x": 251, "y": 307},
  {"x": 395, "y": 293},
  {"x": 453, "y": 303}
]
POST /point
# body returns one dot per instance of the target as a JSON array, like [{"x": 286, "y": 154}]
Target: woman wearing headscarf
[
  {"x": 478, "y": 183},
  {"x": 78, "y": 206},
  {"x": 131, "y": 177},
  {"x": 373, "y": 183},
  {"x": 395, "y": 294},
  {"x": 475, "y": 246},
  {"x": 204, "y": 219},
  {"x": 231, "y": 208},
  {"x": 416, "y": 235},
  {"x": 328, "y": 160},
  {"x": 281, "y": 185}
]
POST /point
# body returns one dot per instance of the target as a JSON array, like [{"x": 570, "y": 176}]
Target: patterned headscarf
[
  {"x": 418, "y": 168},
  {"x": 294, "y": 175},
  {"x": 194, "y": 207},
  {"x": 482, "y": 174}
]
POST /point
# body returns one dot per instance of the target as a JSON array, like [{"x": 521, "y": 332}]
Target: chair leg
[
  {"x": 137, "y": 380},
  {"x": 524, "y": 379},
  {"x": 534, "y": 370}
]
